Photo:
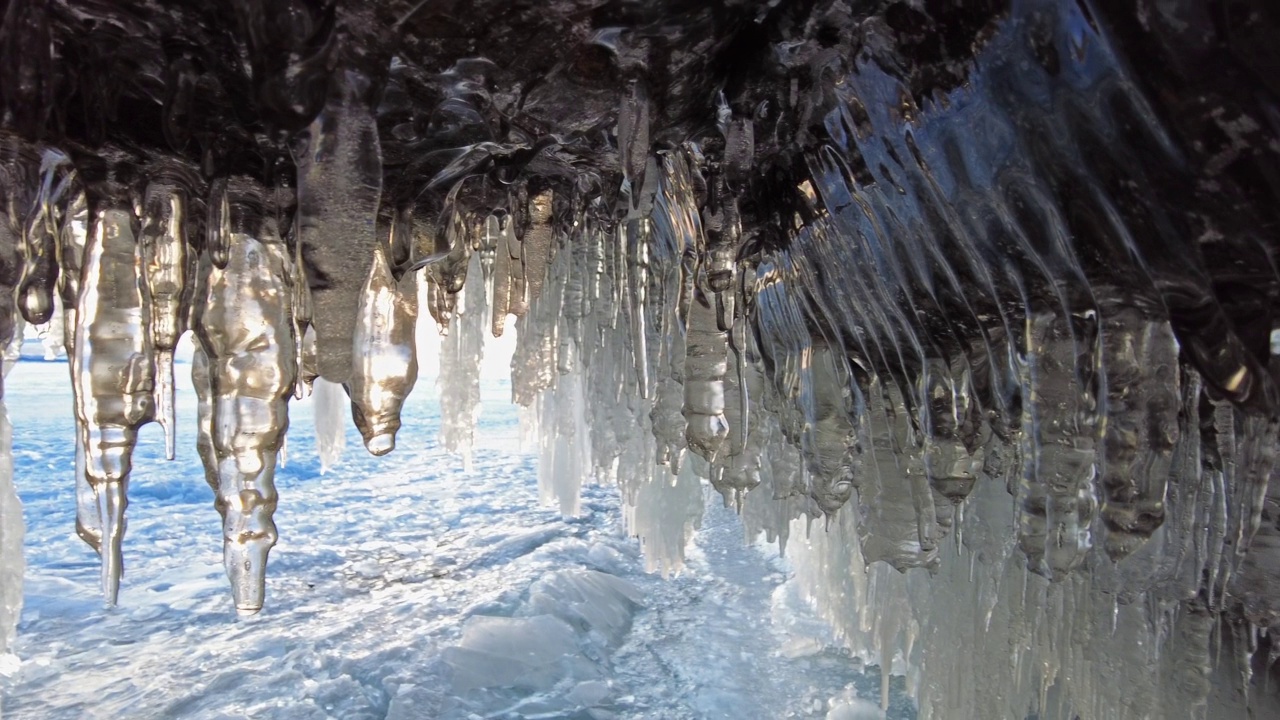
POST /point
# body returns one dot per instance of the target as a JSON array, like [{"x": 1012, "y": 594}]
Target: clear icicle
[
  {"x": 1056, "y": 496},
  {"x": 247, "y": 331},
  {"x": 386, "y": 363},
  {"x": 1141, "y": 361},
  {"x": 111, "y": 368},
  {"x": 36, "y": 289},
  {"x": 339, "y": 188},
  {"x": 164, "y": 256},
  {"x": 459, "y": 379},
  {"x": 72, "y": 238},
  {"x": 330, "y": 407},
  {"x": 705, "y": 366}
]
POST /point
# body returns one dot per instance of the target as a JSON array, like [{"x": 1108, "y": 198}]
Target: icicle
[
  {"x": 40, "y": 246},
  {"x": 706, "y": 362},
  {"x": 664, "y": 512},
  {"x": 637, "y": 299},
  {"x": 164, "y": 256},
  {"x": 1056, "y": 495},
  {"x": 339, "y": 162},
  {"x": 72, "y": 239},
  {"x": 954, "y": 452},
  {"x": 829, "y": 441},
  {"x": 1140, "y": 357},
  {"x": 12, "y": 528},
  {"x": 386, "y": 364},
  {"x": 461, "y": 353},
  {"x": 111, "y": 368},
  {"x": 536, "y": 242},
  {"x": 330, "y": 408},
  {"x": 506, "y": 260},
  {"x": 247, "y": 331}
]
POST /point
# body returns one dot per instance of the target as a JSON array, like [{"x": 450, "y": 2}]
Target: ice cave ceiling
[{"x": 895, "y": 265}]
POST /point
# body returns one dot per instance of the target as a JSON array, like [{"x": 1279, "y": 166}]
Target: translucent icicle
[
  {"x": 72, "y": 239},
  {"x": 637, "y": 274},
  {"x": 247, "y": 331},
  {"x": 955, "y": 437},
  {"x": 111, "y": 368},
  {"x": 164, "y": 256},
  {"x": 1140, "y": 357},
  {"x": 830, "y": 439},
  {"x": 40, "y": 247},
  {"x": 461, "y": 353},
  {"x": 386, "y": 364},
  {"x": 1057, "y": 496},
  {"x": 330, "y": 408},
  {"x": 706, "y": 362}
]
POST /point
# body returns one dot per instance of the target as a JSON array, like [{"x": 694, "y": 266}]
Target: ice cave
[{"x": 713, "y": 359}]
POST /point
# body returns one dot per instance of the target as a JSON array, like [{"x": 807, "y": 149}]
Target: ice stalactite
[
  {"x": 564, "y": 443},
  {"x": 331, "y": 407},
  {"x": 12, "y": 527},
  {"x": 460, "y": 354},
  {"x": 167, "y": 207},
  {"x": 246, "y": 330},
  {"x": 339, "y": 160},
  {"x": 1059, "y": 443},
  {"x": 37, "y": 288},
  {"x": 663, "y": 511},
  {"x": 112, "y": 371},
  {"x": 386, "y": 364},
  {"x": 72, "y": 240}
]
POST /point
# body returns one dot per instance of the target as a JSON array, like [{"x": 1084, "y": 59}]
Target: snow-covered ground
[{"x": 401, "y": 588}]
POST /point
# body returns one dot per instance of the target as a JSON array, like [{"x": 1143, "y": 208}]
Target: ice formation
[{"x": 968, "y": 306}]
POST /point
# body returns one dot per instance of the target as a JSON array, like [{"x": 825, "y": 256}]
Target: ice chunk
[{"x": 531, "y": 653}]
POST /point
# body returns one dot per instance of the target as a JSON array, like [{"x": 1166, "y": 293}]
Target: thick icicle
[
  {"x": 339, "y": 187},
  {"x": 112, "y": 371},
  {"x": 165, "y": 217},
  {"x": 1140, "y": 358},
  {"x": 386, "y": 363},
  {"x": 1059, "y": 445},
  {"x": 247, "y": 331},
  {"x": 706, "y": 362}
]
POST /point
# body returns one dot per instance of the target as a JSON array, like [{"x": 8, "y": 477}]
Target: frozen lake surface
[{"x": 402, "y": 587}]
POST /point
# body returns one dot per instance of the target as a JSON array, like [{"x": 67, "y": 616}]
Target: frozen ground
[{"x": 401, "y": 588}]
